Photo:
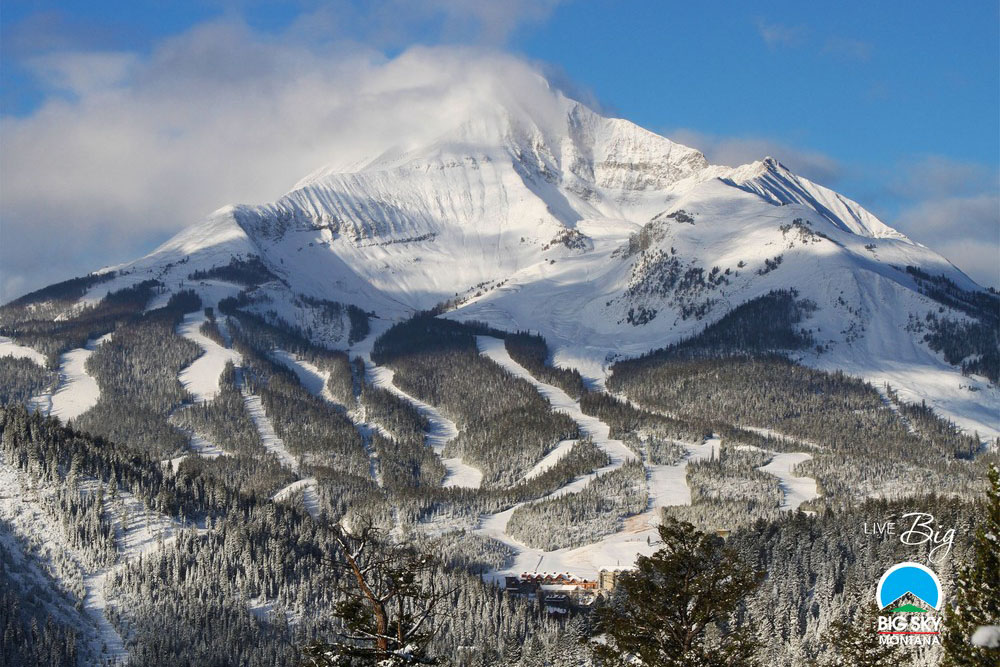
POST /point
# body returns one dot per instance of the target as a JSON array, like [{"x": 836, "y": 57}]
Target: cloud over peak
[{"x": 135, "y": 147}]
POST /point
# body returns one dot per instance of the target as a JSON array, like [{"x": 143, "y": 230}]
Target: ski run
[
  {"x": 138, "y": 532},
  {"x": 667, "y": 485},
  {"x": 440, "y": 431}
]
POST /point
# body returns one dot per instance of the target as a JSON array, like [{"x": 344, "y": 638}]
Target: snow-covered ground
[
  {"x": 21, "y": 507},
  {"x": 552, "y": 458},
  {"x": 797, "y": 490},
  {"x": 307, "y": 487},
  {"x": 8, "y": 348},
  {"x": 310, "y": 376},
  {"x": 440, "y": 431},
  {"x": 201, "y": 377},
  {"x": 667, "y": 486},
  {"x": 138, "y": 531},
  {"x": 494, "y": 349},
  {"x": 203, "y": 447},
  {"x": 461, "y": 474},
  {"x": 265, "y": 428},
  {"x": 95, "y": 603},
  {"x": 77, "y": 390},
  {"x": 771, "y": 433}
]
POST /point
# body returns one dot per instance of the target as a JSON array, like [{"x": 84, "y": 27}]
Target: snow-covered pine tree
[
  {"x": 854, "y": 640},
  {"x": 666, "y": 609},
  {"x": 977, "y": 594}
]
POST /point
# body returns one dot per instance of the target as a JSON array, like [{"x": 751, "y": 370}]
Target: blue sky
[{"x": 896, "y": 105}]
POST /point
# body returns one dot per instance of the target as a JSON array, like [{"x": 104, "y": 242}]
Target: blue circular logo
[{"x": 913, "y": 578}]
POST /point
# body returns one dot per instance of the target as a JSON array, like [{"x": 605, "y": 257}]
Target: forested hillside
[{"x": 205, "y": 516}]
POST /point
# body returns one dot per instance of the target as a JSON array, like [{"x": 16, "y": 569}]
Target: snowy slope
[{"x": 528, "y": 216}]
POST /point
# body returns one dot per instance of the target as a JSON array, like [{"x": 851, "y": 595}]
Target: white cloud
[
  {"x": 952, "y": 207},
  {"x": 966, "y": 230},
  {"x": 938, "y": 176},
  {"x": 79, "y": 73},
  {"x": 217, "y": 115},
  {"x": 777, "y": 34}
]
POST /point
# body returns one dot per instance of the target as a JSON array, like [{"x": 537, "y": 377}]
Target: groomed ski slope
[
  {"x": 201, "y": 378},
  {"x": 310, "y": 376},
  {"x": 77, "y": 390},
  {"x": 8, "y": 348},
  {"x": 667, "y": 484},
  {"x": 637, "y": 537},
  {"x": 441, "y": 428},
  {"x": 796, "y": 490},
  {"x": 268, "y": 436}
]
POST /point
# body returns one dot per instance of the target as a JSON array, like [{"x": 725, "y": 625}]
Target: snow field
[
  {"x": 8, "y": 348},
  {"x": 201, "y": 378},
  {"x": 797, "y": 490},
  {"x": 77, "y": 391}
]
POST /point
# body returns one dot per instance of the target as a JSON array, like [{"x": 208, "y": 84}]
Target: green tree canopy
[{"x": 679, "y": 606}]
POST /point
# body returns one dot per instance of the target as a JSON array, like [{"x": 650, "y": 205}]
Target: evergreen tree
[
  {"x": 678, "y": 608},
  {"x": 855, "y": 640},
  {"x": 977, "y": 592}
]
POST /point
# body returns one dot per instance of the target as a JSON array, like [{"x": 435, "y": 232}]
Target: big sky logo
[{"x": 909, "y": 594}]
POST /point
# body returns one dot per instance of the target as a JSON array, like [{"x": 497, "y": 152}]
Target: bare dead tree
[{"x": 388, "y": 610}]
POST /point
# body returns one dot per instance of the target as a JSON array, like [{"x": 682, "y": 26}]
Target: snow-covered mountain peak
[
  {"x": 606, "y": 238},
  {"x": 775, "y": 183},
  {"x": 566, "y": 138}
]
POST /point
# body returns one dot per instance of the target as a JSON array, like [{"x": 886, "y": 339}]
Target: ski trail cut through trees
[
  {"x": 637, "y": 537},
  {"x": 315, "y": 380},
  {"x": 26, "y": 517},
  {"x": 201, "y": 377},
  {"x": 667, "y": 486},
  {"x": 77, "y": 390},
  {"x": 8, "y": 348},
  {"x": 307, "y": 487},
  {"x": 495, "y": 350},
  {"x": 138, "y": 531},
  {"x": 796, "y": 490},
  {"x": 268, "y": 436},
  {"x": 552, "y": 458},
  {"x": 440, "y": 431},
  {"x": 668, "y": 483}
]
